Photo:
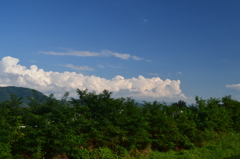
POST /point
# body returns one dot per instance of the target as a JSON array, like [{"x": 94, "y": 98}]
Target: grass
[{"x": 225, "y": 147}]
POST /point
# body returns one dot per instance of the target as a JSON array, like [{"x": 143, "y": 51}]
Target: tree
[
  {"x": 233, "y": 108},
  {"x": 6, "y": 134},
  {"x": 161, "y": 126}
]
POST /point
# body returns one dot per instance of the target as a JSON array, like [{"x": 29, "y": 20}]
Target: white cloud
[
  {"x": 113, "y": 66},
  {"x": 145, "y": 20},
  {"x": 137, "y": 58},
  {"x": 72, "y": 53},
  {"x": 234, "y": 86},
  {"x": 104, "y": 53},
  {"x": 179, "y": 73},
  {"x": 141, "y": 88},
  {"x": 33, "y": 61},
  {"x": 100, "y": 66},
  {"x": 80, "y": 68},
  {"x": 153, "y": 74}
]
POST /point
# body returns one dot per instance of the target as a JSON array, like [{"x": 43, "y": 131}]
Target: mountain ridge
[{"x": 7, "y": 91}]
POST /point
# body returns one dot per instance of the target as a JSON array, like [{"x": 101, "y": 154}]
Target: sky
[{"x": 166, "y": 50}]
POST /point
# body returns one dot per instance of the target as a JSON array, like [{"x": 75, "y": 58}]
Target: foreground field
[{"x": 225, "y": 147}]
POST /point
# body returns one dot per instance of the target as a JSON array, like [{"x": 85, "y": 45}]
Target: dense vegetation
[{"x": 99, "y": 126}]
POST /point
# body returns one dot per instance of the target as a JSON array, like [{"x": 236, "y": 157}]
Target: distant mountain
[{"x": 5, "y": 93}]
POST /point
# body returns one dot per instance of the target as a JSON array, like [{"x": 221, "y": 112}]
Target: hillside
[{"x": 5, "y": 93}]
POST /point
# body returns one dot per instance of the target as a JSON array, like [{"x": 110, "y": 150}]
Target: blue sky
[{"x": 149, "y": 50}]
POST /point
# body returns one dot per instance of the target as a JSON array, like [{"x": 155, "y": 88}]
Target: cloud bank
[
  {"x": 234, "y": 86},
  {"x": 140, "y": 88},
  {"x": 104, "y": 53}
]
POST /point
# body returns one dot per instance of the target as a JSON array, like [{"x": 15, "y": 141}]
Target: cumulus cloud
[
  {"x": 234, "y": 86},
  {"x": 79, "y": 68},
  {"x": 104, "y": 53},
  {"x": 14, "y": 74}
]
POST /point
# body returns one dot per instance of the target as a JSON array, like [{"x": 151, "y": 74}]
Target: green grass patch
[{"x": 224, "y": 147}]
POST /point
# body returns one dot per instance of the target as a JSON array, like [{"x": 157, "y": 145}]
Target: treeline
[{"x": 97, "y": 125}]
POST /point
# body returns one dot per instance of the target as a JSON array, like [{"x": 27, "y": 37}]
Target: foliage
[
  {"x": 99, "y": 126},
  {"x": 6, "y": 135}
]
